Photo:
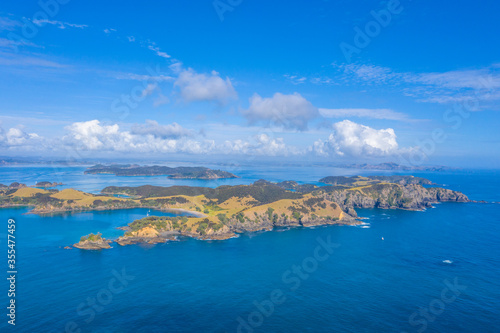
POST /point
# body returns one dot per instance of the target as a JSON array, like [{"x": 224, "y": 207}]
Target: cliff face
[
  {"x": 385, "y": 196},
  {"x": 264, "y": 223},
  {"x": 147, "y": 234}
]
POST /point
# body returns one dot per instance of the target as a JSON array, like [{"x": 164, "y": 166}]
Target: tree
[{"x": 296, "y": 215}]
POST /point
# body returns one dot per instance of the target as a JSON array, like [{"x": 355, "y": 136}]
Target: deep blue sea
[{"x": 402, "y": 271}]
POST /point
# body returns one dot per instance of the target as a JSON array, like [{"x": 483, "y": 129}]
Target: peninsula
[
  {"x": 395, "y": 167},
  {"x": 225, "y": 211}
]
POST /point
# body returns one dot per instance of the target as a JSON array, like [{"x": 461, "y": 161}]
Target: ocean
[{"x": 401, "y": 271}]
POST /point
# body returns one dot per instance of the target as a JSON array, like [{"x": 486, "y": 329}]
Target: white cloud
[
  {"x": 9, "y": 24},
  {"x": 295, "y": 79},
  {"x": 131, "y": 38},
  {"x": 150, "y": 88},
  {"x": 59, "y": 24},
  {"x": 176, "y": 67},
  {"x": 6, "y": 42},
  {"x": 261, "y": 144},
  {"x": 357, "y": 140},
  {"x": 152, "y": 127},
  {"x": 369, "y": 73},
  {"x": 485, "y": 78},
  {"x": 476, "y": 85},
  {"x": 204, "y": 87},
  {"x": 94, "y": 136},
  {"x": 108, "y": 31},
  {"x": 142, "y": 77},
  {"x": 363, "y": 113},
  {"x": 16, "y": 137},
  {"x": 173, "y": 138},
  {"x": 27, "y": 61},
  {"x": 348, "y": 139},
  {"x": 289, "y": 111},
  {"x": 270, "y": 147},
  {"x": 152, "y": 46},
  {"x": 160, "y": 100}
]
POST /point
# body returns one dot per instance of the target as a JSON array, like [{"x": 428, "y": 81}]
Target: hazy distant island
[
  {"x": 47, "y": 184},
  {"x": 225, "y": 211},
  {"x": 15, "y": 186},
  {"x": 395, "y": 167},
  {"x": 157, "y": 170}
]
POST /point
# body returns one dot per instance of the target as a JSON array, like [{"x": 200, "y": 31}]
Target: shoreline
[
  {"x": 174, "y": 236},
  {"x": 63, "y": 211},
  {"x": 200, "y": 214}
]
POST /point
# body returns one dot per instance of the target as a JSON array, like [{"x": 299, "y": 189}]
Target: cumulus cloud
[
  {"x": 195, "y": 86},
  {"x": 16, "y": 137},
  {"x": 155, "y": 138},
  {"x": 288, "y": 111},
  {"x": 270, "y": 147},
  {"x": 152, "y": 127},
  {"x": 347, "y": 139},
  {"x": 357, "y": 140},
  {"x": 92, "y": 135}
]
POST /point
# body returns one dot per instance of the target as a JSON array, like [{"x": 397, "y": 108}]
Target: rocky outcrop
[
  {"x": 441, "y": 194},
  {"x": 93, "y": 242},
  {"x": 147, "y": 235},
  {"x": 264, "y": 223}
]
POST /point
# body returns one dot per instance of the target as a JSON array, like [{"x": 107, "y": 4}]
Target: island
[
  {"x": 158, "y": 170},
  {"x": 93, "y": 242},
  {"x": 226, "y": 211},
  {"x": 15, "y": 186},
  {"x": 47, "y": 184}
]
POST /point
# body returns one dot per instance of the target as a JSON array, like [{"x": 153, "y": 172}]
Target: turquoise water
[{"x": 365, "y": 284}]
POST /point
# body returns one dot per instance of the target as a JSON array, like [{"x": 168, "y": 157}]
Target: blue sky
[{"x": 331, "y": 81}]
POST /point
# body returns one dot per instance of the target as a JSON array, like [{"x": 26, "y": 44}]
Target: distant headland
[{"x": 396, "y": 167}]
